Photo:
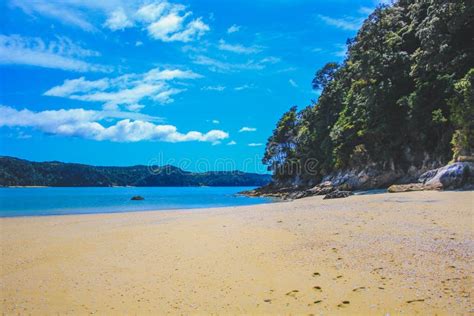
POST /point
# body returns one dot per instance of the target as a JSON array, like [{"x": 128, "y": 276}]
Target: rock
[
  {"x": 321, "y": 189},
  {"x": 397, "y": 188},
  {"x": 137, "y": 198},
  {"x": 338, "y": 194},
  {"x": 297, "y": 195},
  {"x": 453, "y": 176}
]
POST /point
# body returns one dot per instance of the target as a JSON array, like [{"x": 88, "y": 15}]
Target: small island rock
[{"x": 137, "y": 198}]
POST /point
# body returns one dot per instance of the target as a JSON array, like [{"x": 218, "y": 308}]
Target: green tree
[{"x": 462, "y": 115}]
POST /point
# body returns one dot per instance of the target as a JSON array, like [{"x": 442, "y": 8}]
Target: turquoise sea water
[{"x": 62, "y": 201}]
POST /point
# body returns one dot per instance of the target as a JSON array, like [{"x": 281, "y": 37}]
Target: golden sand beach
[{"x": 408, "y": 253}]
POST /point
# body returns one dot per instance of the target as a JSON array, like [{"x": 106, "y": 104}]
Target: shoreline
[{"x": 382, "y": 253}]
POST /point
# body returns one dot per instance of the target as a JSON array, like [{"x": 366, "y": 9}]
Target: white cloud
[
  {"x": 346, "y": 23},
  {"x": 118, "y": 20},
  {"x": 170, "y": 74},
  {"x": 60, "y": 54},
  {"x": 213, "y": 88},
  {"x": 135, "y": 107},
  {"x": 247, "y": 129},
  {"x": 88, "y": 124},
  {"x": 72, "y": 86},
  {"x": 216, "y": 65},
  {"x": 162, "y": 20},
  {"x": 138, "y": 43},
  {"x": 169, "y": 22},
  {"x": 129, "y": 89},
  {"x": 293, "y": 83},
  {"x": 231, "y": 143},
  {"x": 66, "y": 12},
  {"x": 233, "y": 29},
  {"x": 152, "y": 11},
  {"x": 237, "y": 48},
  {"x": 216, "y": 122},
  {"x": 243, "y": 87},
  {"x": 255, "y": 144}
]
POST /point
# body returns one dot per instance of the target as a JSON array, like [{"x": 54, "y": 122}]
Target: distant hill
[{"x": 19, "y": 172}]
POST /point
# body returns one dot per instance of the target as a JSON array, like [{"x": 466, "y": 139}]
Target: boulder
[
  {"x": 338, "y": 194},
  {"x": 453, "y": 176},
  {"x": 397, "y": 188},
  {"x": 137, "y": 198}
]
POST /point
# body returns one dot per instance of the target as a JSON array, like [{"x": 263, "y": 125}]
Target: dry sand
[{"x": 404, "y": 253}]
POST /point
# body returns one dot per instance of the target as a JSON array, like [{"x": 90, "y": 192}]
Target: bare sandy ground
[{"x": 407, "y": 253}]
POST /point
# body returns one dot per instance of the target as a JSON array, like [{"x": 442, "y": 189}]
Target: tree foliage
[{"x": 402, "y": 97}]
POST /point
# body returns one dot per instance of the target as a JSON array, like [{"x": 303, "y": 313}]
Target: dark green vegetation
[
  {"x": 18, "y": 172},
  {"x": 403, "y": 97}
]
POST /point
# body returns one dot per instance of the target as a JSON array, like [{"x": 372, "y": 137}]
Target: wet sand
[{"x": 404, "y": 253}]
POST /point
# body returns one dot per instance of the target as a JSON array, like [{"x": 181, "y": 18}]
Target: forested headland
[{"x": 400, "y": 104}]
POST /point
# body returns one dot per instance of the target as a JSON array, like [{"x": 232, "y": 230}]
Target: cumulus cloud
[
  {"x": 216, "y": 122},
  {"x": 237, "y": 48},
  {"x": 168, "y": 22},
  {"x": 231, "y": 143},
  {"x": 128, "y": 90},
  {"x": 233, "y": 29},
  {"x": 247, "y": 129},
  {"x": 255, "y": 144},
  {"x": 61, "y": 53},
  {"x": 88, "y": 124},
  {"x": 118, "y": 20},
  {"x": 163, "y": 20}
]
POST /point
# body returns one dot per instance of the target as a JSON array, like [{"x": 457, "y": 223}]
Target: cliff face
[{"x": 18, "y": 172}]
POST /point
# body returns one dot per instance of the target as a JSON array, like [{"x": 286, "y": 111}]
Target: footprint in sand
[
  {"x": 316, "y": 274},
  {"x": 317, "y": 288},
  {"x": 343, "y": 304},
  {"x": 292, "y": 294},
  {"x": 414, "y": 301},
  {"x": 358, "y": 288}
]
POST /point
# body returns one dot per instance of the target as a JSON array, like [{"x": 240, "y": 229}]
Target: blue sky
[{"x": 195, "y": 83}]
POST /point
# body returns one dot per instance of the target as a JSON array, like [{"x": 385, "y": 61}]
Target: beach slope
[{"x": 368, "y": 254}]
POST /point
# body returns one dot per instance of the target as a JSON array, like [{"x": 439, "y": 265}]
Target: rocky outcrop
[
  {"x": 457, "y": 175},
  {"x": 137, "y": 198},
  {"x": 453, "y": 176},
  {"x": 370, "y": 177},
  {"x": 338, "y": 194}
]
